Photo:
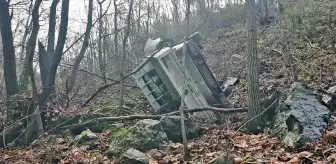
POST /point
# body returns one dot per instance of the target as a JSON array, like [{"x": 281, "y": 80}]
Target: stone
[
  {"x": 224, "y": 159},
  {"x": 86, "y": 135},
  {"x": 145, "y": 135},
  {"x": 134, "y": 156},
  {"x": 172, "y": 126},
  {"x": 301, "y": 118},
  {"x": 330, "y": 99}
]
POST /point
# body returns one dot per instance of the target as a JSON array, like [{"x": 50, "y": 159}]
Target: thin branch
[
  {"x": 204, "y": 21},
  {"x": 84, "y": 33},
  {"x": 117, "y": 82},
  {"x": 265, "y": 109},
  {"x": 156, "y": 117}
]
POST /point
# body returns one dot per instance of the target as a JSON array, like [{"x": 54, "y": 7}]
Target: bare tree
[
  {"x": 176, "y": 16},
  {"x": 100, "y": 38},
  {"x": 253, "y": 67},
  {"x": 28, "y": 71},
  {"x": 72, "y": 78},
  {"x": 116, "y": 11},
  {"x": 8, "y": 49},
  {"x": 57, "y": 56},
  {"x": 184, "y": 135},
  {"x": 45, "y": 56},
  {"x": 26, "y": 31},
  {"x": 126, "y": 34}
]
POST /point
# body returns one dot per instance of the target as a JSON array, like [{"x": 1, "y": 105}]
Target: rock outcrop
[
  {"x": 145, "y": 135},
  {"x": 301, "y": 117},
  {"x": 172, "y": 127}
]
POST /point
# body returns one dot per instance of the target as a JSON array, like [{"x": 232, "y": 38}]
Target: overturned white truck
[{"x": 161, "y": 78}]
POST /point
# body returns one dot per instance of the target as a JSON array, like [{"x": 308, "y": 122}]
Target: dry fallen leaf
[
  {"x": 305, "y": 154},
  {"x": 6, "y": 157},
  {"x": 294, "y": 160},
  {"x": 239, "y": 160},
  {"x": 212, "y": 154},
  {"x": 241, "y": 144},
  {"x": 153, "y": 162}
]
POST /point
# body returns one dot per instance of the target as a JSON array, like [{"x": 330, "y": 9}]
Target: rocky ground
[
  {"x": 313, "y": 62},
  {"x": 218, "y": 140}
]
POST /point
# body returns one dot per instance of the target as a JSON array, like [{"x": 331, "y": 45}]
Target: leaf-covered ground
[{"x": 218, "y": 140}]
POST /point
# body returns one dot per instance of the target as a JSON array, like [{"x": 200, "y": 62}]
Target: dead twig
[
  {"x": 265, "y": 109},
  {"x": 117, "y": 82}
]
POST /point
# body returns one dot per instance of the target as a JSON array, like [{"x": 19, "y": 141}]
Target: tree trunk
[
  {"x": 266, "y": 17},
  {"x": 56, "y": 58},
  {"x": 126, "y": 34},
  {"x": 100, "y": 37},
  {"x": 51, "y": 42},
  {"x": 28, "y": 71},
  {"x": 75, "y": 67},
  {"x": 116, "y": 49},
  {"x": 8, "y": 49},
  {"x": 254, "y": 125},
  {"x": 176, "y": 15},
  {"x": 148, "y": 19},
  {"x": 26, "y": 31},
  {"x": 43, "y": 62},
  {"x": 184, "y": 135}
]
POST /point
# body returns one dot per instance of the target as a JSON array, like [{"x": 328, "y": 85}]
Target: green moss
[
  {"x": 291, "y": 138},
  {"x": 121, "y": 133},
  {"x": 110, "y": 103}
]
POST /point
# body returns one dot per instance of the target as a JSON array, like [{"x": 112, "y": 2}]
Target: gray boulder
[
  {"x": 329, "y": 98},
  {"x": 145, "y": 135},
  {"x": 301, "y": 117},
  {"x": 172, "y": 126},
  {"x": 133, "y": 156}
]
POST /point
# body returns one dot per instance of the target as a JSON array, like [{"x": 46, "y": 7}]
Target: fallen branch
[{"x": 155, "y": 117}]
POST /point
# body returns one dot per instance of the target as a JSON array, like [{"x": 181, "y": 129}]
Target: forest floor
[
  {"x": 226, "y": 57},
  {"x": 218, "y": 140}
]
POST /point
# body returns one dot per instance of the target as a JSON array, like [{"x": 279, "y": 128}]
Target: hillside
[
  {"x": 297, "y": 58},
  {"x": 226, "y": 57}
]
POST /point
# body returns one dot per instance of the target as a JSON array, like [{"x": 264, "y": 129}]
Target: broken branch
[{"x": 155, "y": 117}]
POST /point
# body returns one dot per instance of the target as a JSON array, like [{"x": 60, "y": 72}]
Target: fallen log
[{"x": 154, "y": 117}]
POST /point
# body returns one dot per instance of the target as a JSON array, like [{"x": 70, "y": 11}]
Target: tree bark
[
  {"x": 26, "y": 31},
  {"x": 148, "y": 19},
  {"x": 75, "y": 67},
  {"x": 100, "y": 37},
  {"x": 253, "y": 126},
  {"x": 28, "y": 71},
  {"x": 126, "y": 34},
  {"x": 51, "y": 43},
  {"x": 43, "y": 62},
  {"x": 116, "y": 11},
  {"x": 266, "y": 17},
  {"x": 8, "y": 49},
  {"x": 56, "y": 58},
  {"x": 176, "y": 14},
  {"x": 184, "y": 135}
]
